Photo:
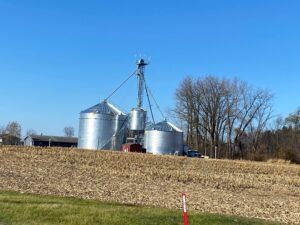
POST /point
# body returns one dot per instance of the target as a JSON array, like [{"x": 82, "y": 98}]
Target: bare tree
[
  {"x": 30, "y": 132},
  {"x": 184, "y": 107},
  {"x": 255, "y": 108},
  {"x": 69, "y": 131},
  {"x": 13, "y": 129},
  {"x": 293, "y": 121},
  {"x": 211, "y": 95},
  {"x": 218, "y": 113},
  {"x": 13, "y": 133},
  {"x": 2, "y": 130},
  {"x": 259, "y": 123}
]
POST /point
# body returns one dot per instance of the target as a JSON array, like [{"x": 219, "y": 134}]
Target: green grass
[{"x": 25, "y": 209}]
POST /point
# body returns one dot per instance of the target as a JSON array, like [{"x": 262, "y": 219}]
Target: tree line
[
  {"x": 11, "y": 134},
  {"x": 228, "y": 118}
]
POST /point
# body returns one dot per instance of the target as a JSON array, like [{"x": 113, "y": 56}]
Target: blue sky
[{"x": 60, "y": 57}]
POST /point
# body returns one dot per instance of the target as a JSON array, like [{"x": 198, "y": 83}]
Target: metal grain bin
[
  {"x": 102, "y": 127},
  {"x": 137, "y": 119},
  {"x": 164, "y": 139}
]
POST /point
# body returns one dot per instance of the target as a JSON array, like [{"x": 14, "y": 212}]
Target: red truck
[{"x": 132, "y": 147}]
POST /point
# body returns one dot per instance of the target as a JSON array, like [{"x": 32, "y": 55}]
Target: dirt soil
[{"x": 256, "y": 190}]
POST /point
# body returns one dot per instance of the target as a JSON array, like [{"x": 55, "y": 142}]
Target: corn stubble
[{"x": 260, "y": 190}]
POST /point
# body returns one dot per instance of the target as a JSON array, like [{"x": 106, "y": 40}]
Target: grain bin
[
  {"x": 164, "y": 139},
  {"x": 138, "y": 119},
  {"x": 103, "y": 127}
]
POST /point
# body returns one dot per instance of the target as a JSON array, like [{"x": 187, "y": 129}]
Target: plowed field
[{"x": 260, "y": 190}]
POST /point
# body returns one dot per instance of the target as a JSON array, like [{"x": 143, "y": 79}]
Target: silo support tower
[
  {"x": 138, "y": 115},
  {"x": 141, "y": 79}
]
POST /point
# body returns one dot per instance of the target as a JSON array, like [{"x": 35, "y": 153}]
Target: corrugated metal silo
[
  {"x": 102, "y": 126},
  {"x": 164, "y": 139},
  {"x": 137, "y": 119}
]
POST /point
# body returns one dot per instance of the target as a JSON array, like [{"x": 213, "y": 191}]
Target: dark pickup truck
[{"x": 194, "y": 154}]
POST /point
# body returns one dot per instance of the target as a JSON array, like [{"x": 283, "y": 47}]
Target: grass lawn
[{"x": 25, "y": 209}]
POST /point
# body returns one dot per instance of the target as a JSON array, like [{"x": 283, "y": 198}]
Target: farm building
[
  {"x": 7, "y": 139},
  {"x": 50, "y": 141}
]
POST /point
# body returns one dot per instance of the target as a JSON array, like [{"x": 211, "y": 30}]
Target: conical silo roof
[
  {"x": 164, "y": 126},
  {"x": 104, "y": 108}
]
